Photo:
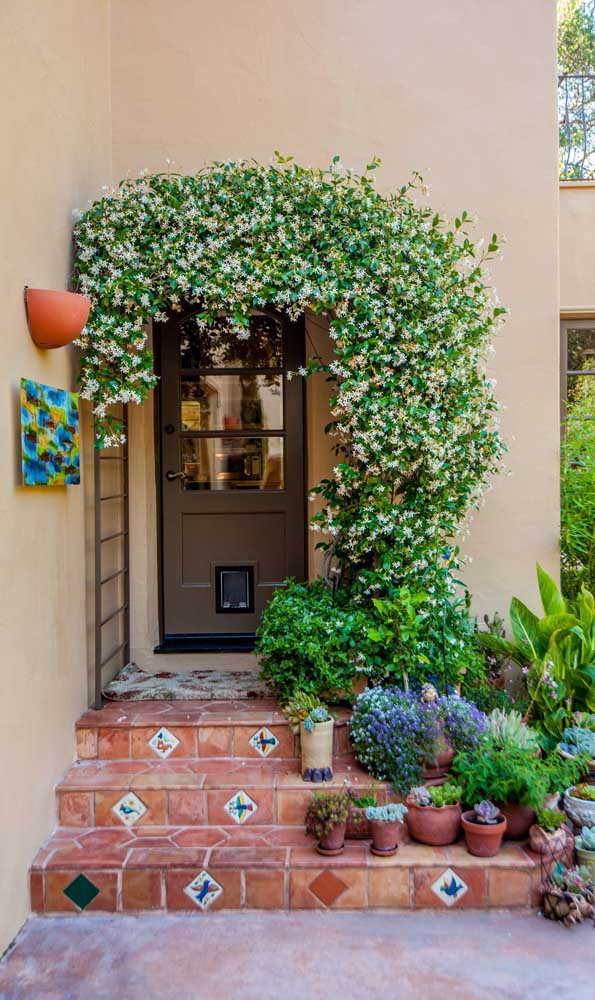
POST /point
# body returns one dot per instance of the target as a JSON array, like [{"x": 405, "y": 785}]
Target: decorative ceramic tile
[
  {"x": 263, "y": 741},
  {"x": 240, "y": 807},
  {"x": 203, "y": 890},
  {"x": 163, "y": 742},
  {"x": 81, "y": 891},
  {"x": 129, "y": 809},
  {"x": 449, "y": 887},
  {"x": 327, "y": 887}
]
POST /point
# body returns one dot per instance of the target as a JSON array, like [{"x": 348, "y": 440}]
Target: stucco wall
[
  {"x": 577, "y": 238},
  {"x": 465, "y": 89},
  {"x": 56, "y": 154}
]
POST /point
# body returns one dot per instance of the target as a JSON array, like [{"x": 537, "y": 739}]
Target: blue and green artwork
[{"x": 50, "y": 435}]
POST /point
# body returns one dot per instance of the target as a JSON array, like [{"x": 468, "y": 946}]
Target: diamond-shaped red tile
[{"x": 327, "y": 888}]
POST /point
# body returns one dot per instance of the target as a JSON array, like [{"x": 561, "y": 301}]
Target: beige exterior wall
[
  {"x": 467, "y": 89},
  {"x": 577, "y": 238},
  {"x": 56, "y": 154}
]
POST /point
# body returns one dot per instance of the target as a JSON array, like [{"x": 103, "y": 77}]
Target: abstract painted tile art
[
  {"x": 240, "y": 807},
  {"x": 50, "y": 448},
  {"x": 129, "y": 809},
  {"x": 163, "y": 742},
  {"x": 263, "y": 741},
  {"x": 203, "y": 890},
  {"x": 449, "y": 887}
]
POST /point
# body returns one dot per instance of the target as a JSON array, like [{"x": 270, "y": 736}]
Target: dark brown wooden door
[{"x": 232, "y": 468}]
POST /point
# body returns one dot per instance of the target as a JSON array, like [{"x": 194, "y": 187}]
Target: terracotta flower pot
[
  {"x": 440, "y": 766},
  {"x": 433, "y": 825},
  {"x": 55, "y": 318},
  {"x": 551, "y": 845},
  {"x": 519, "y": 820},
  {"x": 333, "y": 842},
  {"x": 385, "y": 836},
  {"x": 358, "y": 825},
  {"x": 483, "y": 840}
]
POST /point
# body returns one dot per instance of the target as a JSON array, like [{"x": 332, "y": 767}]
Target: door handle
[{"x": 175, "y": 475}]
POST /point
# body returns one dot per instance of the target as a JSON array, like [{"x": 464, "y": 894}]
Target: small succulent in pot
[
  {"x": 326, "y": 819},
  {"x": 312, "y": 719},
  {"x": 550, "y": 836},
  {"x": 585, "y": 848},
  {"x": 434, "y": 815},
  {"x": 385, "y": 823},
  {"x": 568, "y": 895},
  {"x": 484, "y": 827},
  {"x": 486, "y": 812}
]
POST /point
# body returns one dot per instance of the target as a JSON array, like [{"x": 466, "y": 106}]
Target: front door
[{"x": 232, "y": 468}]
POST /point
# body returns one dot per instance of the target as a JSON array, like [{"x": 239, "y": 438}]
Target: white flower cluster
[{"x": 411, "y": 317}]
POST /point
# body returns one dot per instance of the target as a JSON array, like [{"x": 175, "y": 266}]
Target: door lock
[{"x": 175, "y": 475}]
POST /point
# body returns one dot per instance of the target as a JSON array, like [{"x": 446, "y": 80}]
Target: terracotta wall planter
[
  {"x": 519, "y": 820},
  {"x": 483, "y": 840},
  {"x": 55, "y": 318},
  {"x": 433, "y": 825},
  {"x": 440, "y": 766},
  {"x": 550, "y": 845}
]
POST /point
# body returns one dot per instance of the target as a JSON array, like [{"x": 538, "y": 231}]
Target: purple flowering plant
[{"x": 394, "y": 732}]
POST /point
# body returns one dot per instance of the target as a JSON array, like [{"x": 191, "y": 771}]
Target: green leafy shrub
[{"x": 308, "y": 641}]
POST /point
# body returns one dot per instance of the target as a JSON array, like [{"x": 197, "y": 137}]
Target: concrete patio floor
[{"x": 268, "y": 956}]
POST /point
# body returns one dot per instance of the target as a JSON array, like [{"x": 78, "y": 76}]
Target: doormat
[{"x": 134, "y": 684}]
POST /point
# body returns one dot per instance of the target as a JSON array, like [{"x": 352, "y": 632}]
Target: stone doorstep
[{"x": 125, "y": 879}]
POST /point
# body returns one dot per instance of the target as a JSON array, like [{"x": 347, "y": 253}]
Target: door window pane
[
  {"x": 581, "y": 349},
  {"x": 219, "y": 346},
  {"x": 233, "y": 463},
  {"x": 232, "y": 402}
]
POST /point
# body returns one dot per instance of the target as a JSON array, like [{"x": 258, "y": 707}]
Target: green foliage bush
[{"x": 308, "y": 641}]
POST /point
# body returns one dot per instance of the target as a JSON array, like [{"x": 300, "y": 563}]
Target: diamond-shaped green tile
[{"x": 81, "y": 891}]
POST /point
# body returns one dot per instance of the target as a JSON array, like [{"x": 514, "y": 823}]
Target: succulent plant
[
  {"x": 508, "y": 729},
  {"x": 421, "y": 795},
  {"x": 550, "y": 819},
  {"x": 387, "y": 814},
  {"x": 586, "y": 839},
  {"x": 486, "y": 812},
  {"x": 583, "y": 791},
  {"x": 362, "y": 801},
  {"x": 577, "y": 740},
  {"x": 306, "y": 709},
  {"x": 326, "y": 810}
]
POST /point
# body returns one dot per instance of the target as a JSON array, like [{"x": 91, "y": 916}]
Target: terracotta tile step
[
  {"x": 191, "y": 792},
  {"x": 125, "y": 870},
  {"x": 154, "y": 730}
]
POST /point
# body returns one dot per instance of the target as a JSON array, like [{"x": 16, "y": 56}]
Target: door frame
[{"x": 242, "y": 642}]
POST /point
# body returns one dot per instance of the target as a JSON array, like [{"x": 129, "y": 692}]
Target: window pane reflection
[
  {"x": 581, "y": 349},
  {"x": 232, "y": 403},
  {"x": 233, "y": 463},
  {"x": 219, "y": 346}
]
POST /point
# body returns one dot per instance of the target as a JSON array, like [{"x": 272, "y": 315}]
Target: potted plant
[
  {"x": 568, "y": 895},
  {"x": 326, "y": 819},
  {"x": 55, "y": 318},
  {"x": 385, "y": 827},
  {"x": 311, "y": 718},
  {"x": 579, "y": 804},
  {"x": 549, "y": 836},
  {"x": 483, "y": 826},
  {"x": 434, "y": 813},
  {"x": 585, "y": 848},
  {"x": 358, "y": 825}
]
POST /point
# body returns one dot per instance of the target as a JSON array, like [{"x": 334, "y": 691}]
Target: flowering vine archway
[{"x": 410, "y": 312}]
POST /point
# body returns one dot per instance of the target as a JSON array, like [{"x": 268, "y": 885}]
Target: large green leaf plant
[{"x": 556, "y": 653}]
